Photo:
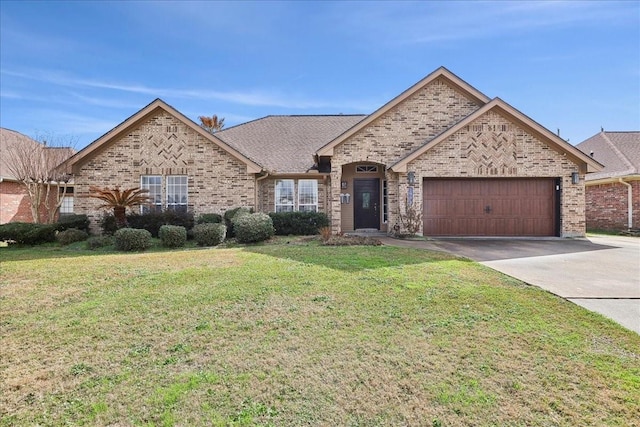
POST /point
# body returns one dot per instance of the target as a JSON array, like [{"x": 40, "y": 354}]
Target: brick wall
[
  {"x": 395, "y": 134},
  {"x": 163, "y": 145},
  {"x": 491, "y": 146},
  {"x": 607, "y": 206},
  {"x": 494, "y": 147},
  {"x": 15, "y": 204}
]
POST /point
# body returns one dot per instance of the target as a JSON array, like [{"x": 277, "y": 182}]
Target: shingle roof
[
  {"x": 286, "y": 144},
  {"x": 8, "y": 139},
  {"x": 619, "y": 152}
]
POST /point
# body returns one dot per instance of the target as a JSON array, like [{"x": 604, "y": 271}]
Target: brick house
[
  {"x": 613, "y": 194},
  {"x": 469, "y": 164}
]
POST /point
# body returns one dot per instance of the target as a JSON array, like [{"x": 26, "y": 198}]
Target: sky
[{"x": 74, "y": 70}]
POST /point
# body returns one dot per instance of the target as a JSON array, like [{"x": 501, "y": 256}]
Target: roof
[
  {"x": 286, "y": 144},
  {"x": 442, "y": 72},
  {"x": 507, "y": 110},
  {"x": 8, "y": 139},
  {"x": 137, "y": 118},
  {"x": 619, "y": 152}
]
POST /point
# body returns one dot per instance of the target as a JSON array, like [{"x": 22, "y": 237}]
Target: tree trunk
[{"x": 119, "y": 212}]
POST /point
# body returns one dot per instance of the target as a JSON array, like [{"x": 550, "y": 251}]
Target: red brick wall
[
  {"x": 606, "y": 206},
  {"x": 15, "y": 205}
]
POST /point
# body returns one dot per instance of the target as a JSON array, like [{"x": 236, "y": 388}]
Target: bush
[
  {"x": 253, "y": 228},
  {"x": 210, "y": 218},
  {"x": 26, "y": 233},
  {"x": 96, "y": 242},
  {"x": 132, "y": 239},
  {"x": 152, "y": 221},
  {"x": 209, "y": 234},
  {"x": 173, "y": 236},
  {"x": 71, "y": 235},
  {"x": 80, "y": 222},
  {"x": 108, "y": 224},
  {"x": 299, "y": 223},
  {"x": 230, "y": 215}
]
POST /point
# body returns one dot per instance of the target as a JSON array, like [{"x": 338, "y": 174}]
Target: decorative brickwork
[
  {"x": 607, "y": 206},
  {"x": 419, "y": 118},
  {"x": 163, "y": 145}
]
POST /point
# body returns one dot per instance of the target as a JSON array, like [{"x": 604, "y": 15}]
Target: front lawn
[{"x": 295, "y": 333}]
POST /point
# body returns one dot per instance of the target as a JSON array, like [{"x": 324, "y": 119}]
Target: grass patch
[{"x": 295, "y": 333}]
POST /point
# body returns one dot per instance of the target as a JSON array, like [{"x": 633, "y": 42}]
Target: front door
[{"x": 366, "y": 208}]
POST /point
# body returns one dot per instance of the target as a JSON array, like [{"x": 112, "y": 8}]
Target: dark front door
[{"x": 366, "y": 208}]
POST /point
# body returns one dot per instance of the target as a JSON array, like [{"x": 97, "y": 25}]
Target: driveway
[{"x": 600, "y": 273}]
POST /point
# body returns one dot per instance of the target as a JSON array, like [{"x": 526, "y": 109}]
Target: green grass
[{"x": 294, "y": 333}]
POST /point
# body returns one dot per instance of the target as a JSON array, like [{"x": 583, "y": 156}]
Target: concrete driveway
[{"x": 600, "y": 273}]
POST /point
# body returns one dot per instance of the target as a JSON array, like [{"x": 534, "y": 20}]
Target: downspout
[
  {"x": 260, "y": 178},
  {"x": 629, "y": 203}
]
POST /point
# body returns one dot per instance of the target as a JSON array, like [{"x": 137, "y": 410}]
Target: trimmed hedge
[
  {"x": 253, "y": 228},
  {"x": 299, "y": 223},
  {"x": 210, "y": 218},
  {"x": 154, "y": 220},
  {"x": 132, "y": 239},
  {"x": 71, "y": 235},
  {"x": 80, "y": 222},
  {"x": 208, "y": 234},
  {"x": 173, "y": 236},
  {"x": 26, "y": 233},
  {"x": 231, "y": 214}
]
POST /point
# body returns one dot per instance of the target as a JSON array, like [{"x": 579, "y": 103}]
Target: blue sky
[{"x": 77, "y": 69}]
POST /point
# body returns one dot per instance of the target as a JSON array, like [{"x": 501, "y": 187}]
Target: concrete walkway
[{"x": 600, "y": 273}]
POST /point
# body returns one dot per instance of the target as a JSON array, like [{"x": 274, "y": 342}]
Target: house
[
  {"x": 15, "y": 203},
  {"x": 466, "y": 164},
  {"x": 613, "y": 194}
]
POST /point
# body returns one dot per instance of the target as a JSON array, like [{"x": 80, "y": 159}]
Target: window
[
  {"x": 177, "y": 188},
  {"x": 153, "y": 183},
  {"x": 66, "y": 208},
  {"x": 284, "y": 195},
  {"x": 385, "y": 202},
  {"x": 366, "y": 169},
  {"x": 308, "y": 195}
]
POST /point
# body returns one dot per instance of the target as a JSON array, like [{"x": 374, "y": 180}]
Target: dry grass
[{"x": 301, "y": 335}]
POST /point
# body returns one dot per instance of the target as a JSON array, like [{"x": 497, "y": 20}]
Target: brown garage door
[{"x": 489, "y": 207}]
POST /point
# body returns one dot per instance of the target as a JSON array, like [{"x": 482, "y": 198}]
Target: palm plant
[{"x": 119, "y": 200}]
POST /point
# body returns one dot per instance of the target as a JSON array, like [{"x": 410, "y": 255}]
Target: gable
[
  {"x": 501, "y": 127},
  {"x": 423, "y": 110},
  {"x": 151, "y": 112}
]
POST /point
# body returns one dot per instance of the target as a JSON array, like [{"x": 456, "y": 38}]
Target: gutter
[{"x": 629, "y": 203}]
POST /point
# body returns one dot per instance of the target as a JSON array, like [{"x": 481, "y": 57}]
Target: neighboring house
[
  {"x": 613, "y": 194},
  {"x": 473, "y": 166},
  {"x": 15, "y": 204}
]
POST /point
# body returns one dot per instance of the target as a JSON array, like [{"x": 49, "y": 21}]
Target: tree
[
  {"x": 119, "y": 200},
  {"x": 34, "y": 163},
  {"x": 211, "y": 124}
]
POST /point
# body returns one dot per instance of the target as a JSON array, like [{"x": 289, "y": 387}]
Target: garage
[{"x": 491, "y": 207}]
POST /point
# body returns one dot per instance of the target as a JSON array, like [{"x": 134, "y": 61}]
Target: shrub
[
  {"x": 209, "y": 234},
  {"x": 132, "y": 239},
  {"x": 96, "y": 242},
  {"x": 80, "y": 222},
  {"x": 71, "y": 235},
  {"x": 230, "y": 215},
  {"x": 298, "y": 223},
  {"x": 210, "y": 218},
  {"x": 173, "y": 236},
  {"x": 108, "y": 224},
  {"x": 253, "y": 228},
  {"x": 152, "y": 221},
  {"x": 25, "y": 233}
]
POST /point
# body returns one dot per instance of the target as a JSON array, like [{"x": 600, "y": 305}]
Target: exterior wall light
[
  {"x": 411, "y": 178},
  {"x": 575, "y": 178}
]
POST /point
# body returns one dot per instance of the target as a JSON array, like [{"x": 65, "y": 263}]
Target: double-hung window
[
  {"x": 177, "y": 190},
  {"x": 153, "y": 183},
  {"x": 308, "y": 195},
  {"x": 284, "y": 195}
]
